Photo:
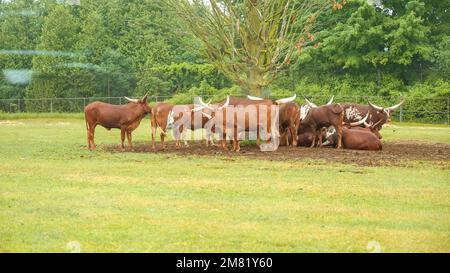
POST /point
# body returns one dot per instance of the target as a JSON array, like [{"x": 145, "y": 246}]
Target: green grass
[
  {"x": 53, "y": 191},
  {"x": 13, "y": 116}
]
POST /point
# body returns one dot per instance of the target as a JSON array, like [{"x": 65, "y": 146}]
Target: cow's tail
[{"x": 85, "y": 121}]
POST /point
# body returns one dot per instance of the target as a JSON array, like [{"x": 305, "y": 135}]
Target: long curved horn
[
  {"x": 392, "y": 108},
  {"x": 376, "y": 124},
  {"x": 375, "y": 106},
  {"x": 225, "y": 104},
  {"x": 254, "y": 98},
  {"x": 144, "y": 98},
  {"x": 313, "y": 105},
  {"x": 198, "y": 108},
  {"x": 132, "y": 100},
  {"x": 204, "y": 104},
  {"x": 286, "y": 100},
  {"x": 207, "y": 115},
  {"x": 331, "y": 100},
  {"x": 357, "y": 123}
]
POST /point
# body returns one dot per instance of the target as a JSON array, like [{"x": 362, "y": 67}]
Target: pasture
[{"x": 54, "y": 192}]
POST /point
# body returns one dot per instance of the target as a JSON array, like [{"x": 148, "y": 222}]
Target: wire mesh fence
[{"x": 415, "y": 109}]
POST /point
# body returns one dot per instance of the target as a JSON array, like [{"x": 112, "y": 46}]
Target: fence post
[
  {"x": 18, "y": 105},
  {"x": 120, "y": 100},
  {"x": 84, "y": 102},
  {"x": 51, "y": 105}
]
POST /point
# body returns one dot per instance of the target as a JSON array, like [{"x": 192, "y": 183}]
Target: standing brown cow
[
  {"x": 244, "y": 115},
  {"x": 161, "y": 117},
  {"x": 289, "y": 119},
  {"x": 314, "y": 118},
  {"x": 191, "y": 117},
  {"x": 124, "y": 117},
  {"x": 166, "y": 114},
  {"x": 289, "y": 122}
]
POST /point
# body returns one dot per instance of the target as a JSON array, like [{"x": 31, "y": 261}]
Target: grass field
[{"x": 54, "y": 192}]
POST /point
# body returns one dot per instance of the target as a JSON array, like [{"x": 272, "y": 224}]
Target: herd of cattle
[{"x": 341, "y": 125}]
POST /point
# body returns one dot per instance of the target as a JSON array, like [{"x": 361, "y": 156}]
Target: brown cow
[
  {"x": 197, "y": 117},
  {"x": 289, "y": 122},
  {"x": 163, "y": 117},
  {"x": 314, "y": 118},
  {"x": 124, "y": 117},
  {"x": 377, "y": 115},
  {"x": 356, "y": 139},
  {"x": 249, "y": 109},
  {"x": 289, "y": 119}
]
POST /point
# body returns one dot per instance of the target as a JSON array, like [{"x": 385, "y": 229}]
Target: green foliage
[{"x": 166, "y": 80}]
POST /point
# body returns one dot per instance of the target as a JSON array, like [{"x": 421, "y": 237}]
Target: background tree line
[{"x": 106, "y": 48}]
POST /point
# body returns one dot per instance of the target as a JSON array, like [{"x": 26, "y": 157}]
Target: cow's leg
[
  {"x": 258, "y": 137},
  {"x": 314, "y": 140},
  {"x": 293, "y": 130},
  {"x": 91, "y": 133},
  {"x": 122, "y": 138},
  {"x": 286, "y": 138},
  {"x": 177, "y": 139},
  {"x": 153, "y": 134},
  {"x": 184, "y": 135},
  {"x": 129, "y": 140},
  {"x": 224, "y": 141},
  {"x": 339, "y": 132},
  {"x": 236, "y": 146},
  {"x": 162, "y": 135},
  {"x": 88, "y": 131},
  {"x": 319, "y": 144},
  {"x": 209, "y": 139}
]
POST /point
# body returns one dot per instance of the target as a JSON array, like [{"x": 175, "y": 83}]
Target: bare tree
[{"x": 249, "y": 41}]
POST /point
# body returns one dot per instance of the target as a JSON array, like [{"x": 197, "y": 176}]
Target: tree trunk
[{"x": 255, "y": 81}]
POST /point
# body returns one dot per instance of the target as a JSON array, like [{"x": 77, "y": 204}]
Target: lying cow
[
  {"x": 124, "y": 117},
  {"x": 354, "y": 137},
  {"x": 356, "y": 140}
]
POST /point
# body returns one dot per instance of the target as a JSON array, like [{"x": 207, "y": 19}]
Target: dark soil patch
[{"x": 393, "y": 153}]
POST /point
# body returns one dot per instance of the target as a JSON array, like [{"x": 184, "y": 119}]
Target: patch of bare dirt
[{"x": 393, "y": 153}]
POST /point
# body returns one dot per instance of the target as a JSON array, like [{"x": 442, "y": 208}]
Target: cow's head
[
  {"x": 142, "y": 103},
  {"x": 304, "y": 109},
  {"x": 208, "y": 109},
  {"x": 381, "y": 115},
  {"x": 374, "y": 128}
]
